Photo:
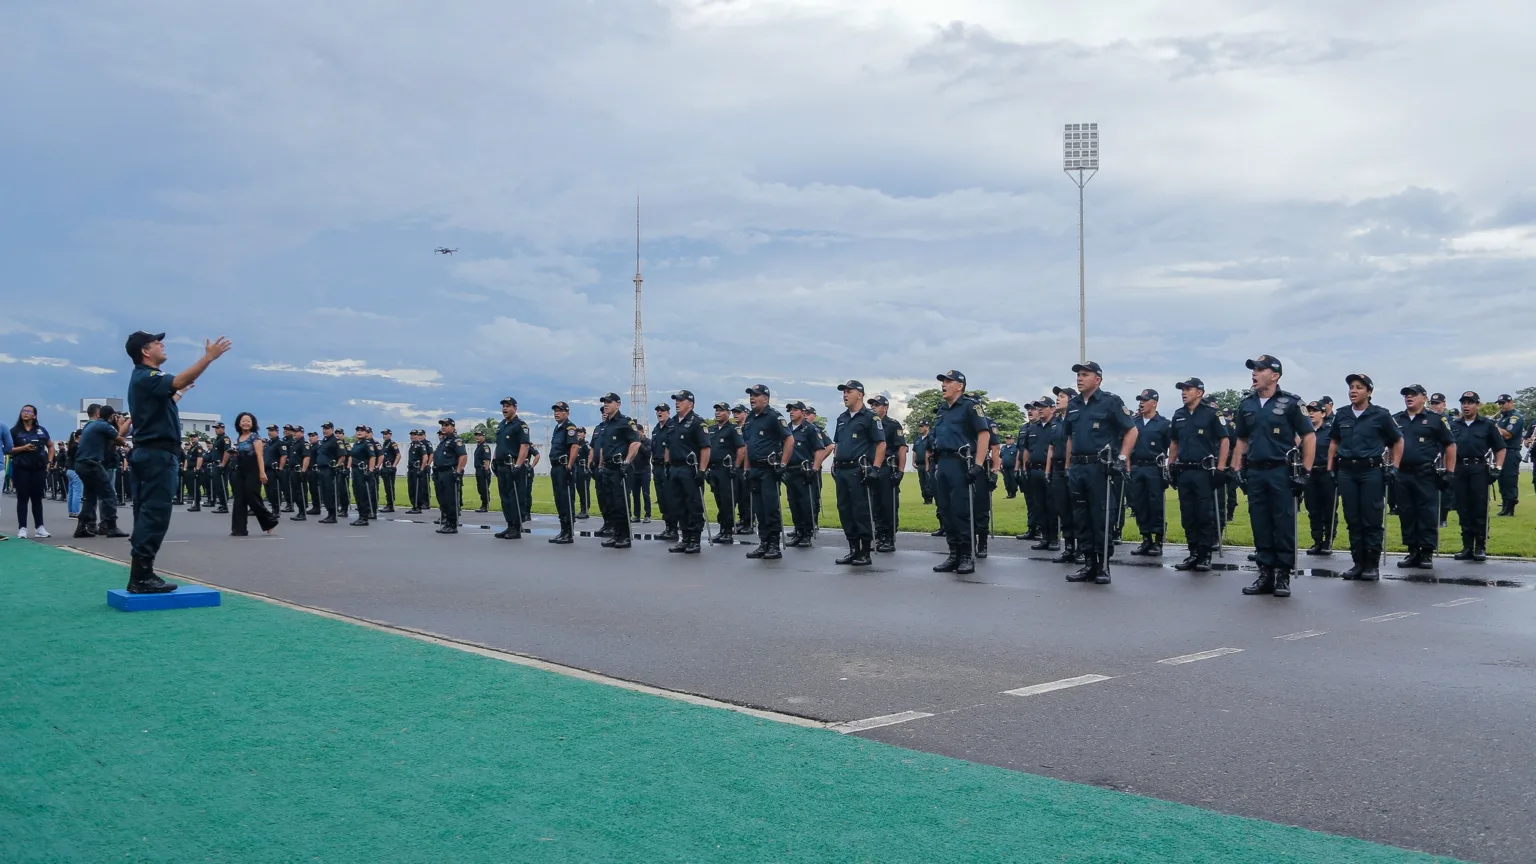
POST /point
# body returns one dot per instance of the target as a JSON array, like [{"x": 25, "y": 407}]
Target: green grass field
[
  {"x": 255, "y": 733},
  {"x": 1514, "y": 535}
]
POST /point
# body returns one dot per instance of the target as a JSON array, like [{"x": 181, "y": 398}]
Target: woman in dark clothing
[
  {"x": 30, "y": 450},
  {"x": 250, "y": 477}
]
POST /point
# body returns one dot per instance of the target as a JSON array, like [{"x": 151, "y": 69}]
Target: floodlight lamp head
[{"x": 1080, "y": 147}]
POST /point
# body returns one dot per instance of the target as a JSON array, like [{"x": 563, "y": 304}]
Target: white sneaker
[
  {"x": 22, "y": 533},
  {"x": 42, "y": 533}
]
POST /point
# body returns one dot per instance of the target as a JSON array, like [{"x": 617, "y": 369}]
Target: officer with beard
[{"x": 725, "y": 442}]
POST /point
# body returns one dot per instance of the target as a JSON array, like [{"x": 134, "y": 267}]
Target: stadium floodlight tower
[{"x": 1080, "y": 147}]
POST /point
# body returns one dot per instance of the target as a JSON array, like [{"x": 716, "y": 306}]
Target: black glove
[
  {"x": 1233, "y": 478},
  {"x": 1389, "y": 474},
  {"x": 973, "y": 472},
  {"x": 1298, "y": 482},
  {"x": 870, "y": 477},
  {"x": 1444, "y": 479},
  {"x": 778, "y": 470},
  {"x": 1428, "y": 470}
]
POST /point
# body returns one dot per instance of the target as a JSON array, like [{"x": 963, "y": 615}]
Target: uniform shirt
[
  {"x": 1058, "y": 437},
  {"x": 1010, "y": 455},
  {"x": 583, "y": 453},
  {"x": 1425, "y": 436},
  {"x": 328, "y": 452},
  {"x": 1199, "y": 433},
  {"x": 511, "y": 435},
  {"x": 419, "y": 450},
  {"x": 272, "y": 451},
  {"x": 221, "y": 445},
  {"x": 373, "y": 449},
  {"x": 611, "y": 439},
  {"x": 1514, "y": 424},
  {"x": 857, "y": 433},
  {"x": 919, "y": 450},
  {"x": 807, "y": 442},
  {"x": 1037, "y": 440},
  {"x": 1271, "y": 429},
  {"x": 298, "y": 451},
  {"x": 391, "y": 453},
  {"x": 895, "y": 439},
  {"x": 38, "y": 458},
  {"x": 1364, "y": 437},
  {"x": 826, "y": 440},
  {"x": 1152, "y": 437},
  {"x": 1477, "y": 439},
  {"x": 954, "y": 426},
  {"x": 764, "y": 433},
  {"x": 1096, "y": 422},
  {"x": 446, "y": 456},
  {"x": 194, "y": 457},
  {"x": 155, "y": 418},
  {"x": 560, "y": 442},
  {"x": 482, "y": 454},
  {"x": 689, "y": 438},
  {"x": 360, "y": 453},
  {"x": 97, "y": 440}
]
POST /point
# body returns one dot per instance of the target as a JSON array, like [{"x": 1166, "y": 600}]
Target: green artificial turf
[{"x": 255, "y": 733}]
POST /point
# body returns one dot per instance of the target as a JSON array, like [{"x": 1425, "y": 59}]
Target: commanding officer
[
  {"x": 1145, "y": 492},
  {"x": 511, "y": 460},
  {"x": 687, "y": 461},
  {"x": 563, "y": 454},
  {"x": 1475, "y": 437},
  {"x": 1034, "y": 456},
  {"x": 1426, "y": 438},
  {"x": 1100, "y": 436},
  {"x": 765, "y": 453},
  {"x": 1269, "y": 422},
  {"x": 725, "y": 442},
  {"x": 360, "y": 456},
  {"x": 804, "y": 466},
  {"x": 273, "y": 455},
  {"x": 1321, "y": 495},
  {"x": 962, "y": 440},
  {"x": 448, "y": 473},
  {"x": 920, "y": 444},
  {"x": 1360, "y": 435},
  {"x": 481, "y": 459},
  {"x": 859, "y": 440},
  {"x": 1197, "y": 452},
  {"x": 583, "y": 472},
  {"x": 615, "y": 447},
  {"x": 388, "y": 460},
  {"x": 745, "y": 523},
  {"x": 1056, "y": 471},
  {"x": 661, "y": 433},
  {"x": 328, "y": 458},
  {"x": 152, "y": 398},
  {"x": 887, "y": 497},
  {"x": 1511, "y": 428}
]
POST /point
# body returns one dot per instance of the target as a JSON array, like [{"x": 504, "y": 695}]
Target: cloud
[
  {"x": 97, "y": 370},
  {"x": 404, "y": 410},
  {"x": 357, "y": 368}
]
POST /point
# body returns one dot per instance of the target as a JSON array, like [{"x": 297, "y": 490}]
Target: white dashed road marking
[
  {"x": 877, "y": 722},
  {"x": 1390, "y": 616},
  {"x": 1305, "y": 634},
  {"x": 1459, "y": 602},
  {"x": 1036, "y": 689},
  {"x": 1203, "y": 655}
]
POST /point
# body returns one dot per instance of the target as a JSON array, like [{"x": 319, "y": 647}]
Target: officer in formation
[
  {"x": 272, "y": 454},
  {"x": 1321, "y": 495},
  {"x": 360, "y": 458},
  {"x": 981, "y": 490},
  {"x": 688, "y": 458},
  {"x": 615, "y": 446},
  {"x": 448, "y": 474},
  {"x": 859, "y": 449},
  {"x": 805, "y": 462},
  {"x": 510, "y": 460},
  {"x": 194, "y": 472},
  {"x": 1010, "y": 453},
  {"x": 563, "y": 456},
  {"x": 1061, "y": 497},
  {"x": 1511, "y": 428},
  {"x": 418, "y": 475},
  {"x": 725, "y": 442},
  {"x": 961, "y": 443},
  {"x": 480, "y": 457},
  {"x": 327, "y": 462},
  {"x": 1360, "y": 436},
  {"x": 219, "y": 479},
  {"x": 826, "y": 442},
  {"x": 1100, "y": 435},
  {"x": 661, "y": 435},
  {"x": 887, "y": 497},
  {"x": 639, "y": 482},
  {"x": 1198, "y": 449},
  {"x": 745, "y": 518},
  {"x": 920, "y": 443},
  {"x": 1427, "y": 462},
  {"x": 534, "y": 456},
  {"x": 1478, "y": 443},
  {"x": 1034, "y": 459},
  {"x": 1437, "y": 405},
  {"x": 311, "y": 474},
  {"x": 1149, "y": 458},
  {"x": 583, "y": 472},
  {"x": 1270, "y": 429},
  {"x": 389, "y": 459},
  {"x": 766, "y": 449}
]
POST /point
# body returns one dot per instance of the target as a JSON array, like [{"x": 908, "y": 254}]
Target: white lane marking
[
  {"x": 1036, "y": 689},
  {"x": 1305, "y": 634},
  {"x": 1459, "y": 602},
  {"x": 877, "y": 722},
  {"x": 1390, "y": 616},
  {"x": 1203, "y": 655}
]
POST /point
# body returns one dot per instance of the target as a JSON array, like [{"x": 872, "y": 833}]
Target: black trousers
[
  {"x": 562, "y": 482},
  {"x": 800, "y": 485},
  {"x": 612, "y": 499},
  {"x": 981, "y": 493},
  {"x": 639, "y": 491},
  {"x": 220, "y": 483},
  {"x": 330, "y": 499},
  {"x": 722, "y": 483},
  {"x": 1061, "y": 502},
  {"x": 886, "y": 497},
  {"x": 1145, "y": 495},
  {"x": 98, "y": 503},
  {"x": 1509, "y": 477},
  {"x": 1010, "y": 482},
  {"x": 212, "y": 484},
  {"x": 815, "y": 499},
  {"x": 1197, "y": 508},
  {"x": 247, "y": 495},
  {"x": 447, "y": 481},
  {"x": 925, "y": 483},
  {"x": 687, "y": 493},
  {"x": 509, "y": 486},
  {"x": 584, "y": 488},
  {"x": 483, "y": 486},
  {"x": 194, "y": 486},
  {"x": 953, "y": 495},
  {"x": 424, "y": 488},
  {"x": 1321, "y": 497},
  {"x": 362, "y": 490},
  {"x": 766, "y": 502},
  {"x": 743, "y": 496},
  {"x": 1037, "y": 494},
  {"x": 1471, "y": 486},
  {"x": 1418, "y": 507},
  {"x": 274, "y": 488},
  {"x": 853, "y": 504},
  {"x": 663, "y": 501},
  {"x": 1272, "y": 512},
  {"x": 1362, "y": 491},
  {"x": 1091, "y": 491},
  {"x": 388, "y": 476},
  {"x": 413, "y": 486},
  {"x": 311, "y": 481}
]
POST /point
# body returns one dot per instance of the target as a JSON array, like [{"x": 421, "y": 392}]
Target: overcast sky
[{"x": 829, "y": 190}]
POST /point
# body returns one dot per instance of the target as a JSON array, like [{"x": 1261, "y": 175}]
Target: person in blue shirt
[
  {"x": 1197, "y": 454},
  {"x": 562, "y": 465},
  {"x": 152, "y": 398},
  {"x": 688, "y": 459},
  {"x": 1511, "y": 426},
  {"x": 1270, "y": 425},
  {"x": 1056, "y": 476},
  {"x": 804, "y": 467},
  {"x": 30, "y": 451},
  {"x": 859, "y": 439},
  {"x": 962, "y": 440},
  {"x": 766, "y": 447},
  {"x": 725, "y": 442},
  {"x": 247, "y": 459},
  {"x": 1145, "y": 491},
  {"x": 98, "y": 445},
  {"x": 1477, "y": 443},
  {"x": 1100, "y": 436},
  {"x": 510, "y": 460},
  {"x": 615, "y": 447},
  {"x": 1361, "y": 434},
  {"x": 1428, "y": 462},
  {"x": 660, "y": 435}
]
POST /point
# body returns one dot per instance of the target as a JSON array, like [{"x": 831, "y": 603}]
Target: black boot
[
  {"x": 143, "y": 580},
  {"x": 1043, "y": 544},
  {"x": 949, "y": 564},
  {"x": 1068, "y": 553},
  {"x": 1156, "y": 549},
  {"x": 966, "y": 565},
  {"x": 885, "y": 544},
  {"x": 724, "y": 538},
  {"x": 1320, "y": 547},
  {"x": 1412, "y": 560},
  {"x": 1282, "y": 581},
  {"x": 1466, "y": 552},
  {"x": 1264, "y": 584},
  {"x": 360, "y": 522},
  {"x": 1426, "y": 558},
  {"x": 861, "y": 553},
  {"x": 773, "y": 553},
  {"x": 1146, "y": 545},
  {"x": 565, "y": 536},
  {"x": 758, "y": 552},
  {"x": 670, "y": 535},
  {"x": 109, "y": 529},
  {"x": 1479, "y": 553},
  {"x": 793, "y": 542},
  {"x": 607, "y": 531},
  {"x": 1357, "y": 556},
  {"x": 1371, "y": 571},
  {"x": 448, "y": 528},
  {"x": 298, "y": 516},
  {"x": 328, "y": 520},
  {"x": 315, "y": 511},
  {"x": 1202, "y": 562},
  {"x": 981, "y": 546},
  {"x": 387, "y": 508},
  {"x": 84, "y": 529},
  {"x": 853, "y": 552},
  {"x": 583, "y": 515},
  {"x": 1088, "y": 571},
  {"x": 745, "y": 529},
  {"x": 195, "y": 507},
  {"x": 680, "y": 546},
  {"x": 1189, "y": 561},
  {"x": 938, "y": 533}
]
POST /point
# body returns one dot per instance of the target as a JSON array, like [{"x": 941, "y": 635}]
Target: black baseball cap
[
  {"x": 287, "y": 427},
  {"x": 951, "y": 375},
  {"x": 560, "y": 406},
  {"x": 609, "y": 397},
  {"x": 327, "y": 425},
  {"x": 810, "y": 409},
  {"x": 1505, "y": 397},
  {"x": 1089, "y": 366},
  {"x": 1437, "y": 398},
  {"x": 738, "y": 408},
  {"x": 922, "y": 423},
  {"x": 663, "y": 407},
  {"x": 1060, "y": 390},
  {"x": 721, "y": 406},
  {"x": 219, "y": 425},
  {"x": 795, "y": 406},
  {"x": 758, "y": 390},
  {"x": 479, "y": 433},
  {"x": 878, "y": 400},
  {"x": 1325, "y": 400},
  {"x": 1362, "y": 378},
  {"x": 1315, "y": 406},
  {"x": 272, "y": 427},
  {"x": 359, "y": 428},
  {"x": 508, "y": 400},
  {"x": 1191, "y": 383},
  {"x": 683, "y": 396},
  {"x": 446, "y": 421},
  {"x": 138, "y": 339},
  {"x": 852, "y": 384},
  {"x": 1471, "y": 396},
  {"x": 386, "y": 432},
  {"x": 1413, "y": 390},
  {"x": 580, "y": 429},
  {"x": 1147, "y": 395},
  {"x": 1264, "y": 361}
]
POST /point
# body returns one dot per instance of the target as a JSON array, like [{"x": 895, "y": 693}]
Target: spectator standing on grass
[{"x": 30, "y": 451}]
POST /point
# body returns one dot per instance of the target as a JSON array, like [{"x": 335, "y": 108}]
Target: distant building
[{"x": 191, "y": 421}]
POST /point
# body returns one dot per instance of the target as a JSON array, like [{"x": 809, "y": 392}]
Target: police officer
[
  {"x": 583, "y": 472},
  {"x": 220, "y": 475},
  {"x": 327, "y": 461},
  {"x": 389, "y": 459},
  {"x": 1034, "y": 456},
  {"x": 510, "y": 459},
  {"x": 1447, "y": 495},
  {"x": 1476, "y": 437},
  {"x": 887, "y": 497},
  {"x": 1198, "y": 449},
  {"x": 273, "y": 453},
  {"x": 725, "y": 442},
  {"x": 1270, "y": 425},
  {"x": 688, "y": 456},
  {"x": 1100, "y": 436},
  {"x": 563, "y": 453},
  {"x": 800, "y": 479},
  {"x": 962, "y": 440},
  {"x": 615, "y": 446},
  {"x": 418, "y": 472},
  {"x": 745, "y": 523},
  {"x": 981, "y": 490},
  {"x": 826, "y": 442},
  {"x": 152, "y": 398},
  {"x": 1321, "y": 495},
  {"x": 448, "y": 474},
  {"x": 920, "y": 446},
  {"x": 764, "y": 456},
  {"x": 194, "y": 468},
  {"x": 859, "y": 442},
  {"x": 661, "y": 433},
  {"x": 298, "y": 468},
  {"x": 481, "y": 458},
  {"x": 360, "y": 457},
  {"x": 1360, "y": 435},
  {"x": 1056, "y": 474},
  {"x": 1010, "y": 454},
  {"x": 1145, "y": 493},
  {"x": 1511, "y": 428},
  {"x": 1426, "y": 441}
]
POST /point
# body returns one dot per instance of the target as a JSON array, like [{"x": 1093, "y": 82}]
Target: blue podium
[{"x": 184, "y": 597}]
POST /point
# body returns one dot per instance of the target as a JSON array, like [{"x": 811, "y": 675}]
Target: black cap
[
  {"x": 722, "y": 406},
  {"x": 758, "y": 390},
  {"x": 609, "y": 397},
  {"x": 662, "y": 406},
  {"x": 1191, "y": 383},
  {"x": 446, "y": 421},
  {"x": 1413, "y": 390},
  {"x": 1067, "y": 390},
  {"x": 1208, "y": 400},
  {"x": 287, "y": 427},
  {"x": 327, "y": 425},
  {"x": 1147, "y": 395},
  {"x": 795, "y": 406},
  {"x": 951, "y": 375},
  {"x": 1089, "y": 366},
  {"x": 508, "y": 400},
  {"x": 683, "y": 396},
  {"x": 1264, "y": 361},
  {"x": 580, "y": 429},
  {"x": 138, "y": 339},
  {"x": 1505, "y": 397},
  {"x": 1325, "y": 400},
  {"x": 386, "y": 432},
  {"x": 810, "y": 409},
  {"x": 922, "y": 423},
  {"x": 1362, "y": 378},
  {"x": 738, "y": 408},
  {"x": 1315, "y": 406},
  {"x": 360, "y": 429},
  {"x": 1437, "y": 397},
  {"x": 298, "y": 428},
  {"x": 272, "y": 427},
  {"x": 560, "y": 406},
  {"x": 1471, "y": 396},
  {"x": 878, "y": 400},
  {"x": 852, "y": 384},
  {"x": 219, "y": 425},
  {"x": 480, "y": 433},
  {"x": 312, "y": 433}
]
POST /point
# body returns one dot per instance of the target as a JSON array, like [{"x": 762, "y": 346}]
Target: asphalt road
[{"x": 1399, "y": 712}]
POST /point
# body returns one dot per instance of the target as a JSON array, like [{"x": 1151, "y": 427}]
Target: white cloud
[
  {"x": 96, "y": 370},
  {"x": 404, "y": 410},
  {"x": 357, "y": 368}
]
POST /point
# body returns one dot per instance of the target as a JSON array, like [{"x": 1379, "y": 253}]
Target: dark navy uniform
[
  {"x": 417, "y": 480},
  {"x": 687, "y": 458},
  {"x": 1144, "y": 494},
  {"x": 156, "y": 434},
  {"x": 446, "y": 476},
  {"x": 191, "y": 470},
  {"x": 1061, "y": 497},
  {"x": 764, "y": 435},
  {"x": 1321, "y": 496},
  {"x": 1475, "y": 441},
  {"x": 1355, "y": 449},
  {"x": 920, "y": 444},
  {"x": 857, "y": 435},
  {"x": 1426, "y": 435},
  {"x": 1512, "y": 429},
  {"x": 272, "y": 452},
  {"x": 583, "y": 473},
  {"x": 562, "y": 477},
  {"x": 359, "y": 454},
  {"x": 724, "y": 442},
  {"x": 1271, "y": 428},
  {"x": 611, "y": 440},
  {"x": 639, "y": 482},
  {"x": 826, "y": 441},
  {"x": 481, "y": 459},
  {"x": 983, "y": 487},
  {"x": 661, "y": 434},
  {"x": 800, "y": 481},
  {"x": 388, "y": 470},
  {"x": 1196, "y": 439},
  {"x": 745, "y": 523},
  {"x": 327, "y": 459},
  {"x": 956, "y": 434},
  {"x": 509, "y": 460},
  {"x": 1010, "y": 454},
  {"x": 1034, "y": 451},
  {"x": 1095, "y": 429},
  {"x": 526, "y": 496},
  {"x": 887, "y": 499}
]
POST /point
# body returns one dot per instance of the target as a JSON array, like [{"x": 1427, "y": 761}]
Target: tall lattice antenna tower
[{"x": 639, "y": 399}]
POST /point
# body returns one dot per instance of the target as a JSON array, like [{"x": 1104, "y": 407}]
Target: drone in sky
[{"x": 443, "y": 250}]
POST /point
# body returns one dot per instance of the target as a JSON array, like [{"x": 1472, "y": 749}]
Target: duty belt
[
  {"x": 1036, "y": 464},
  {"x": 1266, "y": 464},
  {"x": 948, "y": 454},
  {"x": 765, "y": 463},
  {"x": 1143, "y": 463},
  {"x": 853, "y": 463},
  {"x": 1471, "y": 460},
  {"x": 1367, "y": 462},
  {"x": 1084, "y": 460}
]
